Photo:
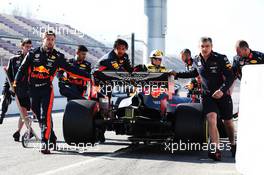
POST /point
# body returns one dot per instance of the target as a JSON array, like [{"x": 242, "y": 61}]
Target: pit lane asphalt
[{"x": 116, "y": 156}]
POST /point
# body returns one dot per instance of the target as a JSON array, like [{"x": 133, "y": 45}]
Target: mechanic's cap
[{"x": 156, "y": 54}]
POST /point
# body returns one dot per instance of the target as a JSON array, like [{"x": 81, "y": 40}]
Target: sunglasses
[{"x": 158, "y": 59}]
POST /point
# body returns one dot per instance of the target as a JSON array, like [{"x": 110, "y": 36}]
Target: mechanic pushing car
[
  {"x": 39, "y": 67},
  {"x": 116, "y": 60},
  {"x": 23, "y": 95},
  {"x": 194, "y": 86},
  {"x": 245, "y": 56},
  {"x": 217, "y": 77},
  {"x": 70, "y": 86}
]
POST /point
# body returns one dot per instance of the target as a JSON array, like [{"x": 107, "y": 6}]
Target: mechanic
[
  {"x": 245, "y": 56},
  {"x": 40, "y": 67},
  {"x": 194, "y": 86},
  {"x": 217, "y": 76},
  {"x": 194, "y": 89},
  {"x": 186, "y": 57},
  {"x": 23, "y": 95},
  {"x": 155, "y": 65},
  {"x": 115, "y": 60},
  {"x": 70, "y": 86}
]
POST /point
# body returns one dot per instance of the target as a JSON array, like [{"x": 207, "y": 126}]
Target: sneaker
[
  {"x": 101, "y": 137},
  {"x": 53, "y": 145},
  {"x": 45, "y": 151},
  {"x": 16, "y": 136},
  {"x": 233, "y": 150},
  {"x": 1, "y": 120},
  {"x": 216, "y": 156},
  {"x": 45, "y": 148}
]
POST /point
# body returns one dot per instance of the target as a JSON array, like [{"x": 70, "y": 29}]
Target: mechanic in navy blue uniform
[
  {"x": 217, "y": 77},
  {"x": 115, "y": 60},
  {"x": 40, "y": 67},
  {"x": 187, "y": 59},
  {"x": 194, "y": 86},
  {"x": 245, "y": 56},
  {"x": 70, "y": 86},
  {"x": 23, "y": 95}
]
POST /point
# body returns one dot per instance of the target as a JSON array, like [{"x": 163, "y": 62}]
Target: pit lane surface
[{"x": 116, "y": 156}]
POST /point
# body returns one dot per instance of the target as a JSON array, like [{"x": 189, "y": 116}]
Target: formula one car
[{"x": 141, "y": 105}]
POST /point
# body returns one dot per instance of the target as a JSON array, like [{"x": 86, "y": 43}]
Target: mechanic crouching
[{"x": 70, "y": 86}]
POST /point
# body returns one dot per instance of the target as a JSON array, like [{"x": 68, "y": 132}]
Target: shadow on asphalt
[{"x": 150, "y": 152}]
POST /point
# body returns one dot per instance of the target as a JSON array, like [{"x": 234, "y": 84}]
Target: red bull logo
[
  {"x": 40, "y": 72},
  {"x": 41, "y": 69}
]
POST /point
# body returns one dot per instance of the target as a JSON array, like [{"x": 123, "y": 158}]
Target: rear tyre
[
  {"x": 78, "y": 122},
  {"x": 190, "y": 123}
]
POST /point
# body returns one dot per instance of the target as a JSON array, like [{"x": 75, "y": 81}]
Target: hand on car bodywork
[{"x": 218, "y": 94}]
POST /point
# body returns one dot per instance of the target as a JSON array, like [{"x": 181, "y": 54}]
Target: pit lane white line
[{"x": 82, "y": 163}]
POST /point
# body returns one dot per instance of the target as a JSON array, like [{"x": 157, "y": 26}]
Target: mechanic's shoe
[
  {"x": 45, "y": 148},
  {"x": 16, "y": 136},
  {"x": 101, "y": 136},
  {"x": 45, "y": 151},
  {"x": 53, "y": 145},
  {"x": 2, "y": 118},
  {"x": 233, "y": 150},
  {"x": 216, "y": 156}
]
